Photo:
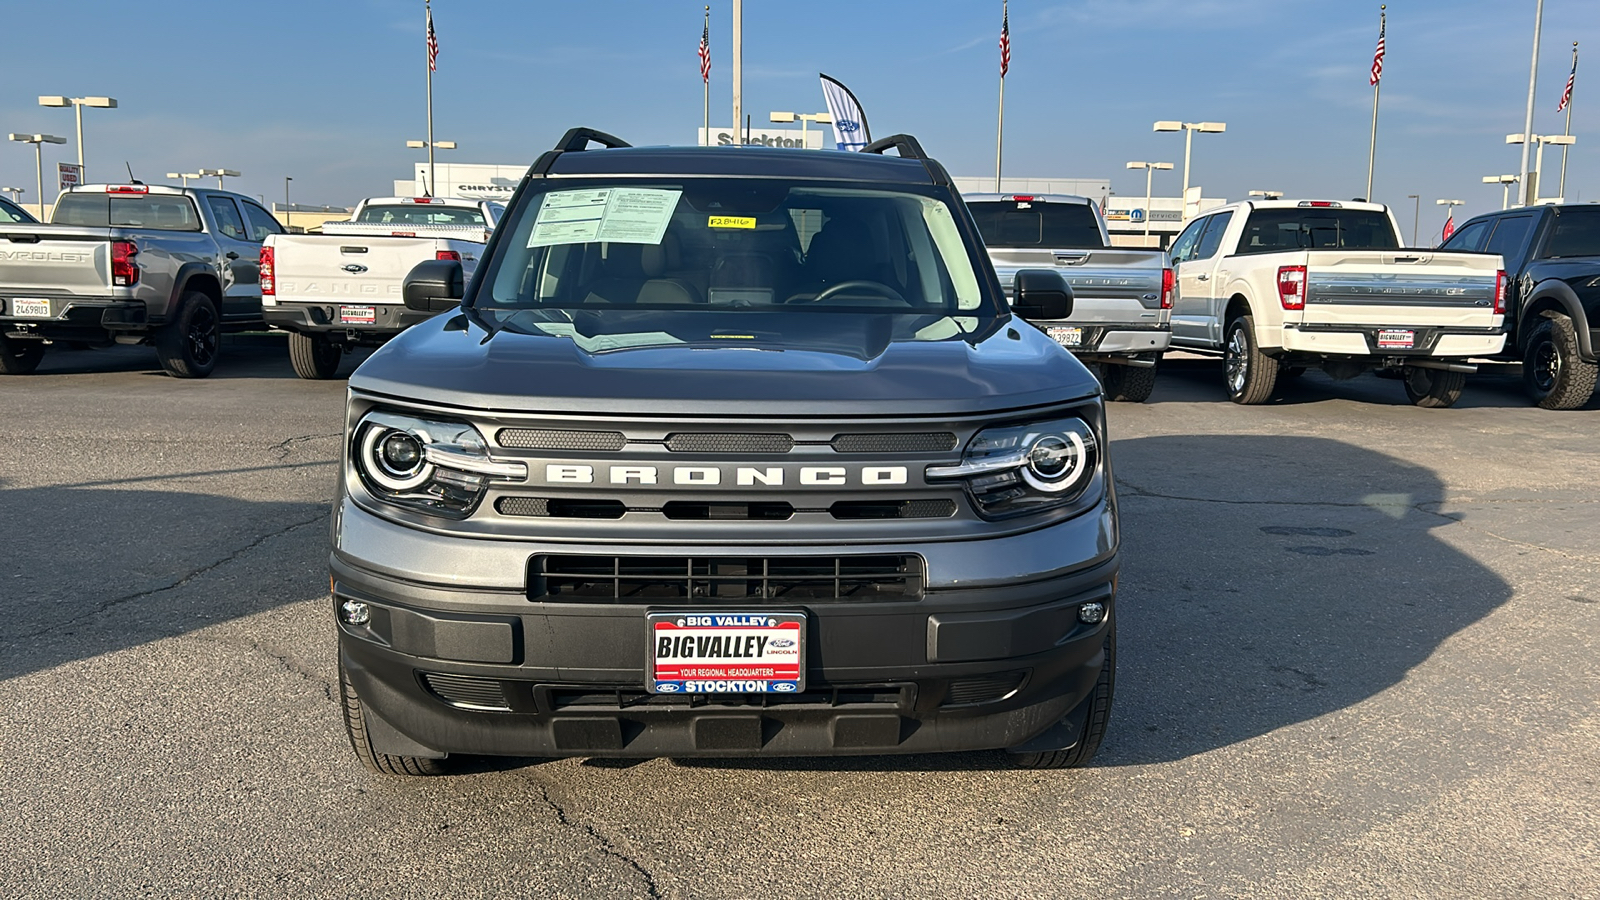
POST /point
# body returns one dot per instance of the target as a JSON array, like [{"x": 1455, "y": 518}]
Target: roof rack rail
[
  {"x": 574, "y": 140},
  {"x": 905, "y": 143}
]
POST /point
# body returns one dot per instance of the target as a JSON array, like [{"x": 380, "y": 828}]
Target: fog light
[
  {"x": 354, "y": 612},
  {"x": 1089, "y": 613}
]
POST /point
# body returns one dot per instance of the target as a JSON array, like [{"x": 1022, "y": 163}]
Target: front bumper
[
  {"x": 388, "y": 320},
  {"x": 977, "y": 664}
]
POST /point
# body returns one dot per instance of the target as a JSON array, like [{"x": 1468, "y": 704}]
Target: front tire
[
  {"x": 1433, "y": 388},
  {"x": 19, "y": 356},
  {"x": 188, "y": 345},
  {"x": 1249, "y": 374},
  {"x": 1555, "y": 376},
  {"x": 314, "y": 357},
  {"x": 355, "y": 726},
  {"x": 1096, "y": 718},
  {"x": 1127, "y": 384}
]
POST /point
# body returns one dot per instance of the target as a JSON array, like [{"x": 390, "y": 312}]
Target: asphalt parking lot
[{"x": 1358, "y": 647}]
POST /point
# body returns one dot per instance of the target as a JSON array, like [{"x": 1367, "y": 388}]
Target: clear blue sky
[{"x": 329, "y": 91}]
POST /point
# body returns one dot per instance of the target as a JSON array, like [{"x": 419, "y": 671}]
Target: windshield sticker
[
  {"x": 731, "y": 222},
  {"x": 617, "y": 215}
]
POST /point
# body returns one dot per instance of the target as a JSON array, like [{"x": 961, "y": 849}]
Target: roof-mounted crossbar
[
  {"x": 573, "y": 141},
  {"x": 905, "y": 143}
]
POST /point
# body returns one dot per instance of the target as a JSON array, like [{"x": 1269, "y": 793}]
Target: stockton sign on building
[{"x": 767, "y": 137}]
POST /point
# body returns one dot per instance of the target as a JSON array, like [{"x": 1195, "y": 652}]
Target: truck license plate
[
  {"x": 1067, "y": 336},
  {"x": 28, "y": 307},
  {"x": 358, "y": 315},
  {"x": 1396, "y": 339},
  {"x": 726, "y": 652}
]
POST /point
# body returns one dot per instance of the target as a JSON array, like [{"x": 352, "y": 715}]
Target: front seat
[{"x": 843, "y": 251}]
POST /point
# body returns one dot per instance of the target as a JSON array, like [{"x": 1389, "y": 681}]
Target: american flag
[
  {"x": 705, "y": 52},
  {"x": 1005, "y": 39},
  {"x": 433, "y": 44},
  {"x": 1377, "y": 55},
  {"x": 1566, "y": 95}
]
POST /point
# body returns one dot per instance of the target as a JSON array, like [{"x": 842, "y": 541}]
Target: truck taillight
[
  {"x": 1500, "y": 292},
  {"x": 124, "y": 273},
  {"x": 269, "y": 284},
  {"x": 1292, "y": 287},
  {"x": 447, "y": 254},
  {"x": 1169, "y": 286}
]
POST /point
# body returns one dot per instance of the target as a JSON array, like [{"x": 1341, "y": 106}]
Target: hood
[{"x": 709, "y": 363}]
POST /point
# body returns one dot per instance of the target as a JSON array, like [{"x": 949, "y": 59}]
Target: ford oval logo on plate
[{"x": 354, "y": 268}]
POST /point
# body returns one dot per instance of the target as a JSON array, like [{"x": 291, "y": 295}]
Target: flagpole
[
  {"x": 737, "y": 62},
  {"x": 1000, "y": 123},
  {"x": 1562, "y": 189},
  {"x": 1377, "y": 85},
  {"x": 705, "y": 117},
  {"x": 427, "y": 60},
  {"x": 1530, "y": 192}
]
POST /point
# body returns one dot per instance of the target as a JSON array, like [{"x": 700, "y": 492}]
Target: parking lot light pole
[
  {"x": 1188, "y": 144},
  {"x": 286, "y": 180},
  {"x": 428, "y": 189},
  {"x": 1267, "y": 195},
  {"x": 1416, "y": 217},
  {"x": 1505, "y": 182},
  {"x": 77, "y": 104},
  {"x": 220, "y": 174},
  {"x": 38, "y": 141},
  {"x": 184, "y": 177},
  {"x": 804, "y": 119},
  {"x": 15, "y": 192},
  {"x": 1530, "y": 193},
  {"x": 1149, "y": 173}
]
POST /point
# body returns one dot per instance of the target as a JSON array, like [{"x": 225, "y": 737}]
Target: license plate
[
  {"x": 726, "y": 652},
  {"x": 1067, "y": 336},
  {"x": 30, "y": 308},
  {"x": 358, "y": 315},
  {"x": 1396, "y": 340}
]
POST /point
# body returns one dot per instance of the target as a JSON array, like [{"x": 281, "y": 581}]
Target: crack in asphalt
[
  {"x": 604, "y": 843},
  {"x": 106, "y": 605},
  {"x": 287, "y": 446},
  {"x": 289, "y": 663}
]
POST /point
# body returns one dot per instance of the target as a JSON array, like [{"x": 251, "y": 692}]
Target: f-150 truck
[
  {"x": 726, "y": 451},
  {"x": 1279, "y": 285},
  {"x": 341, "y": 289},
  {"x": 1121, "y": 298},
  {"x": 1552, "y": 255},
  {"x": 133, "y": 264}
]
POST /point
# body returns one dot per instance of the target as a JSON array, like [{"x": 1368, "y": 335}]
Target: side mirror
[
  {"x": 434, "y": 285},
  {"x": 1041, "y": 295}
]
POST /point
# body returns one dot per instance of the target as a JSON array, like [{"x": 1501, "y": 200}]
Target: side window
[
  {"x": 1508, "y": 237},
  {"x": 1212, "y": 240},
  {"x": 1469, "y": 237},
  {"x": 226, "y": 216},
  {"x": 1183, "y": 247},
  {"x": 261, "y": 222}
]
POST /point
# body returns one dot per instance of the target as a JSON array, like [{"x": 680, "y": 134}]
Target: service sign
[{"x": 726, "y": 653}]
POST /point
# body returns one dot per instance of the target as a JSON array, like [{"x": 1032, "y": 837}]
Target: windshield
[
  {"x": 1036, "y": 223},
  {"x": 422, "y": 214},
  {"x": 1313, "y": 228},
  {"x": 10, "y": 213},
  {"x": 159, "y": 212},
  {"x": 732, "y": 246}
]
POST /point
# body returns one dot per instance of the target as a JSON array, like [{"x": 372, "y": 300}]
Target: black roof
[{"x": 572, "y": 158}]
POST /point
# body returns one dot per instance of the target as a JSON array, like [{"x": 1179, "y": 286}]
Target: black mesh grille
[
  {"x": 730, "y": 443},
  {"x": 560, "y": 509},
  {"x": 893, "y": 509},
  {"x": 545, "y": 439},
  {"x": 923, "y": 442},
  {"x": 701, "y": 580},
  {"x": 471, "y": 693},
  {"x": 983, "y": 689},
  {"x": 689, "y": 509}
]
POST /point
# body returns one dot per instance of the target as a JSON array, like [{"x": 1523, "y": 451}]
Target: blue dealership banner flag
[{"x": 850, "y": 130}]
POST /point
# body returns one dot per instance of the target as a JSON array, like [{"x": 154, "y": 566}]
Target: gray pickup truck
[
  {"x": 133, "y": 264},
  {"x": 1122, "y": 298}
]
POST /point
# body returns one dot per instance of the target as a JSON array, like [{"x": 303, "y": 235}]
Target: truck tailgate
[
  {"x": 319, "y": 268},
  {"x": 1400, "y": 287},
  {"x": 1107, "y": 285},
  {"x": 54, "y": 260}
]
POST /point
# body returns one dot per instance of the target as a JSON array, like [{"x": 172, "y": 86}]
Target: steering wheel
[{"x": 843, "y": 286}]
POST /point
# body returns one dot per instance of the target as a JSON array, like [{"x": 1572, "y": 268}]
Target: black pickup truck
[{"x": 1552, "y": 260}]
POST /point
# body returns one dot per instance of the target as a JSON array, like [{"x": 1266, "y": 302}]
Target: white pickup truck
[
  {"x": 342, "y": 288},
  {"x": 1278, "y": 286}
]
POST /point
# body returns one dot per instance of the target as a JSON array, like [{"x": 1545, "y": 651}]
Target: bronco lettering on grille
[{"x": 742, "y": 476}]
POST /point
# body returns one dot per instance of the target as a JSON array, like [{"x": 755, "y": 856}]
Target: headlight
[
  {"x": 434, "y": 466},
  {"x": 1016, "y": 469}
]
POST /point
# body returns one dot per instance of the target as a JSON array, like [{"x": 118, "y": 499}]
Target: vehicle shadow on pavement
[
  {"x": 248, "y": 355},
  {"x": 1266, "y": 582},
  {"x": 1188, "y": 379},
  {"x": 104, "y": 569}
]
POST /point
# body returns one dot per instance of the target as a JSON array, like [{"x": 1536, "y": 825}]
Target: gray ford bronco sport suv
[{"x": 726, "y": 452}]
